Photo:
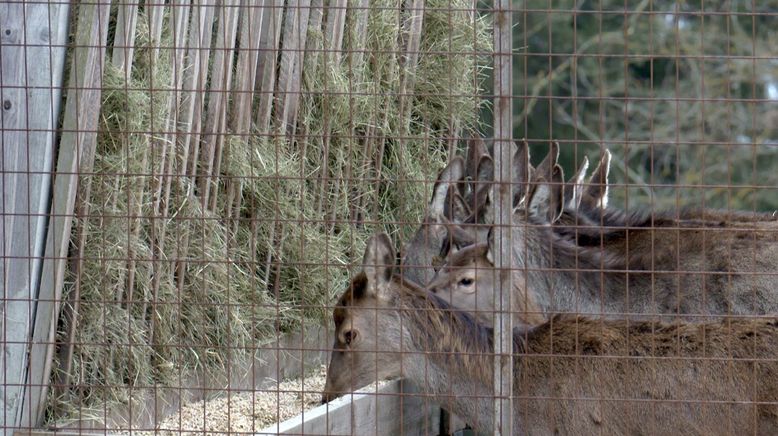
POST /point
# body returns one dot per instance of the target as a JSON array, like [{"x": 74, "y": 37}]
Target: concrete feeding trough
[
  {"x": 387, "y": 409},
  {"x": 390, "y": 407}
]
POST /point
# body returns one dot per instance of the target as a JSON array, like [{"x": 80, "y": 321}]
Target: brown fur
[
  {"x": 598, "y": 260},
  {"x": 662, "y": 271},
  {"x": 573, "y": 375}
]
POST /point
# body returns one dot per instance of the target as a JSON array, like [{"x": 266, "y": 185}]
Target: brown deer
[
  {"x": 573, "y": 375},
  {"x": 460, "y": 189},
  {"x": 653, "y": 265}
]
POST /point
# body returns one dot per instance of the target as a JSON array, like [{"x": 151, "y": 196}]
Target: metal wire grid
[{"x": 163, "y": 173}]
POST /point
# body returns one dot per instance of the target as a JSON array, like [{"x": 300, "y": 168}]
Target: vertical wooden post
[
  {"x": 269, "y": 47},
  {"x": 124, "y": 40},
  {"x": 75, "y": 157},
  {"x": 503, "y": 130},
  {"x": 32, "y": 55},
  {"x": 220, "y": 84}
]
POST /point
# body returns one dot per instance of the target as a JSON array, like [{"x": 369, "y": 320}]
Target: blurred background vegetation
[{"x": 685, "y": 95}]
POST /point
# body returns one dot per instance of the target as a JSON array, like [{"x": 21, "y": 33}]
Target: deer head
[
  {"x": 358, "y": 357},
  {"x": 428, "y": 241}
]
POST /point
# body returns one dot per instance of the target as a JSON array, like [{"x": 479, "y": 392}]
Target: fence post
[
  {"x": 74, "y": 157},
  {"x": 32, "y": 53},
  {"x": 503, "y": 131}
]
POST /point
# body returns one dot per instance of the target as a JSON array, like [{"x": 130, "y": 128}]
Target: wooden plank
[
  {"x": 410, "y": 60},
  {"x": 503, "y": 208},
  {"x": 198, "y": 50},
  {"x": 270, "y": 43},
  {"x": 155, "y": 15},
  {"x": 313, "y": 49},
  {"x": 243, "y": 94},
  {"x": 124, "y": 39},
  {"x": 221, "y": 82},
  {"x": 369, "y": 412},
  {"x": 333, "y": 43},
  {"x": 122, "y": 55},
  {"x": 250, "y": 32},
  {"x": 333, "y": 36},
  {"x": 179, "y": 19},
  {"x": 290, "y": 70},
  {"x": 371, "y": 136},
  {"x": 360, "y": 12},
  {"x": 32, "y": 54},
  {"x": 62, "y": 433},
  {"x": 76, "y": 155}
]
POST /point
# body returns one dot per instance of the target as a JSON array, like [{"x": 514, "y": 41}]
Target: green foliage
[{"x": 680, "y": 95}]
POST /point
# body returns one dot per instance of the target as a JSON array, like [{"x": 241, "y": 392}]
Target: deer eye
[{"x": 467, "y": 281}]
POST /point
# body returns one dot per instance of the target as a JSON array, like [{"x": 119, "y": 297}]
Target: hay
[{"x": 289, "y": 219}]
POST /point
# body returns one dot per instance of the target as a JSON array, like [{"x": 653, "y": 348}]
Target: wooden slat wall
[
  {"x": 75, "y": 156},
  {"x": 168, "y": 146},
  {"x": 221, "y": 81},
  {"x": 196, "y": 71},
  {"x": 124, "y": 40},
  {"x": 269, "y": 46},
  {"x": 32, "y": 55},
  {"x": 210, "y": 38}
]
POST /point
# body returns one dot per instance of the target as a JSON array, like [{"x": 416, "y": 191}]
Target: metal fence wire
[{"x": 441, "y": 217}]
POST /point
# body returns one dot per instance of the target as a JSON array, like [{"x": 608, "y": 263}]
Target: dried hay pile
[{"x": 156, "y": 296}]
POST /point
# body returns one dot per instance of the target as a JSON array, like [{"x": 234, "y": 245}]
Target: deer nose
[{"x": 434, "y": 290}]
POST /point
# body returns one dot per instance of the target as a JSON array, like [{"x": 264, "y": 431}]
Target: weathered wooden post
[
  {"x": 75, "y": 156},
  {"x": 503, "y": 132},
  {"x": 32, "y": 53}
]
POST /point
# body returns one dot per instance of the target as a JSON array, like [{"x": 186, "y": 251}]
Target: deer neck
[
  {"x": 560, "y": 276},
  {"x": 447, "y": 354}
]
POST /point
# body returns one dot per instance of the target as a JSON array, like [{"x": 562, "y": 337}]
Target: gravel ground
[{"x": 246, "y": 412}]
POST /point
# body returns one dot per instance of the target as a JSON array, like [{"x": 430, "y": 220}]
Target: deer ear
[
  {"x": 490, "y": 246},
  {"x": 557, "y": 200},
  {"x": 476, "y": 149},
  {"x": 574, "y": 187},
  {"x": 595, "y": 194},
  {"x": 447, "y": 178},
  {"x": 481, "y": 186},
  {"x": 456, "y": 207},
  {"x": 485, "y": 172},
  {"x": 547, "y": 166},
  {"x": 460, "y": 237},
  {"x": 485, "y": 214},
  {"x": 547, "y": 199},
  {"x": 378, "y": 262},
  {"x": 520, "y": 171}
]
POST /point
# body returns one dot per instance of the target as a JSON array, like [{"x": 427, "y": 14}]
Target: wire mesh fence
[{"x": 332, "y": 217}]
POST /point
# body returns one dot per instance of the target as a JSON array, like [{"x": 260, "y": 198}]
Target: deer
[
  {"x": 660, "y": 265},
  {"x": 424, "y": 249},
  {"x": 461, "y": 188},
  {"x": 572, "y": 374}
]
